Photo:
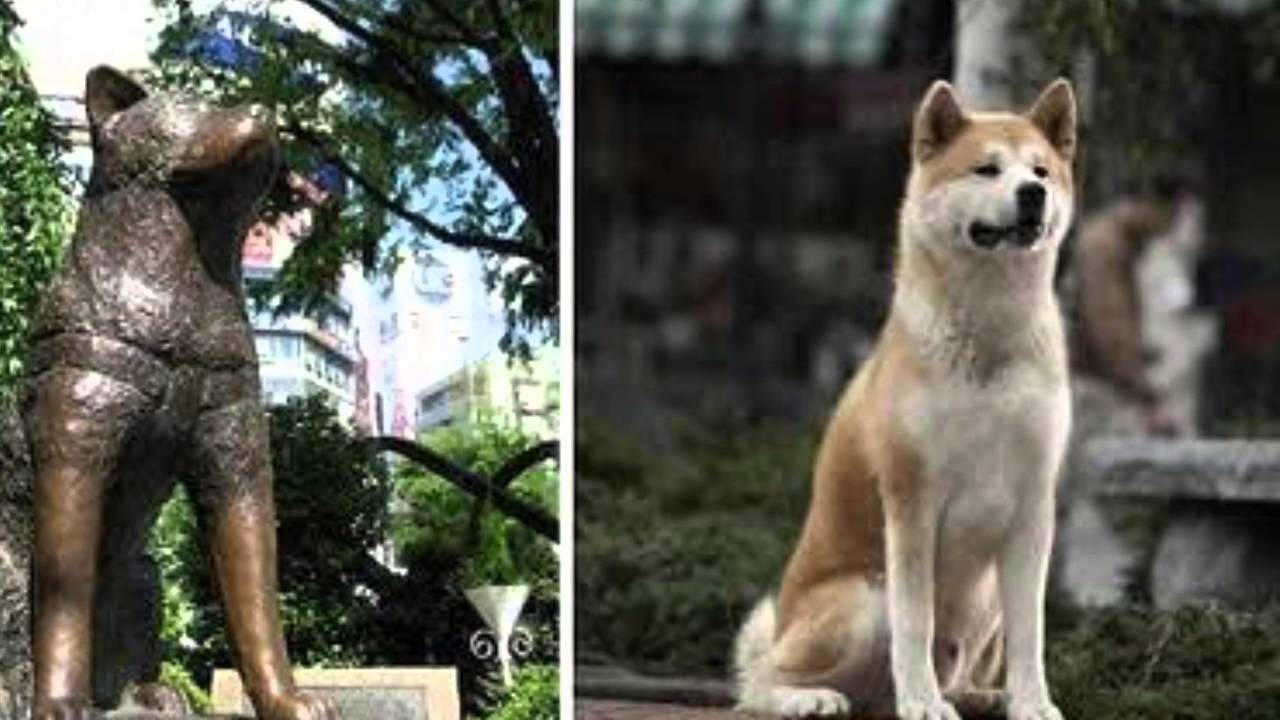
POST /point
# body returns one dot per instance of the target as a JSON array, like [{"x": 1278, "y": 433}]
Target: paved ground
[{"x": 614, "y": 693}]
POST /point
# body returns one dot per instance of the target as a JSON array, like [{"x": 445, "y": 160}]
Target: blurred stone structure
[{"x": 1217, "y": 543}]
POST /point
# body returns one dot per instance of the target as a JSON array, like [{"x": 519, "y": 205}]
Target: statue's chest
[{"x": 137, "y": 274}]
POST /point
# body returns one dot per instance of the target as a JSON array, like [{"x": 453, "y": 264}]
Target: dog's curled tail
[{"x": 752, "y": 669}]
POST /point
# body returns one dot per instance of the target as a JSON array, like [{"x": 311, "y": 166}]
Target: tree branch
[
  {"x": 521, "y": 94},
  {"x": 479, "y": 241},
  {"x": 443, "y": 11},
  {"x": 426, "y": 89},
  {"x": 528, "y": 164},
  {"x": 500, "y": 20},
  {"x": 523, "y": 462},
  {"x": 531, "y": 131},
  {"x": 531, "y": 516}
]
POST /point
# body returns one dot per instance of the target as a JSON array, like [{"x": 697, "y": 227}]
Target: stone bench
[{"x": 1224, "y": 513}]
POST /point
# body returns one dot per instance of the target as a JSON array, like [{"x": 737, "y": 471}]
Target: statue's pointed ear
[
  {"x": 107, "y": 92},
  {"x": 938, "y": 121},
  {"x": 1054, "y": 112}
]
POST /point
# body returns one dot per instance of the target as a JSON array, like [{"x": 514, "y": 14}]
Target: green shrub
[
  {"x": 493, "y": 548},
  {"x": 449, "y": 541},
  {"x": 177, "y": 677},
  {"x": 672, "y": 553},
  {"x": 35, "y": 215},
  {"x": 534, "y": 695},
  {"x": 1189, "y": 664}
]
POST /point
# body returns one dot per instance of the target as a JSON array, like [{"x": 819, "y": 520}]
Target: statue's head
[{"x": 225, "y": 155}]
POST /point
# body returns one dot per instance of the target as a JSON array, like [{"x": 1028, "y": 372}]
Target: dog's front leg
[
  {"x": 911, "y": 536},
  {"x": 1024, "y": 566},
  {"x": 75, "y": 423}
]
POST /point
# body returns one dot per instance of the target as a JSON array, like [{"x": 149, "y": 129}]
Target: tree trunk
[{"x": 997, "y": 66}]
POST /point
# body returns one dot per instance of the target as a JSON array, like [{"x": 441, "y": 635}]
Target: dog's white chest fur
[{"x": 981, "y": 444}]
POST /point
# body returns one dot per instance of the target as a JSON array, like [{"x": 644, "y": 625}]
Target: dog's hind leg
[
  {"x": 831, "y": 660},
  {"x": 128, "y": 607},
  {"x": 978, "y": 694}
]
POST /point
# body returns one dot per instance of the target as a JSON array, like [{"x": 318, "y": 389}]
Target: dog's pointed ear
[
  {"x": 107, "y": 92},
  {"x": 938, "y": 121},
  {"x": 1054, "y": 112}
]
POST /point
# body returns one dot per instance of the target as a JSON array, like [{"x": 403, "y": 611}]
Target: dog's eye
[
  {"x": 1041, "y": 171},
  {"x": 987, "y": 170}
]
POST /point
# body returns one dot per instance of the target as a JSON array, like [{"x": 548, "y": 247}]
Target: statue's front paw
[
  {"x": 66, "y": 709},
  {"x": 297, "y": 706},
  {"x": 1038, "y": 710}
]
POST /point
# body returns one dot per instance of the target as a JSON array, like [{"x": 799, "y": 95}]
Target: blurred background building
[
  {"x": 737, "y": 205},
  {"x": 305, "y": 354},
  {"x": 523, "y": 395},
  {"x": 736, "y": 208}
]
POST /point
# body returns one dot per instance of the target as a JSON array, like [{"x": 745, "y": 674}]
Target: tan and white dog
[{"x": 922, "y": 564}]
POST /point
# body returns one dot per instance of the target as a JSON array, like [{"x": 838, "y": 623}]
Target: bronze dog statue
[{"x": 142, "y": 370}]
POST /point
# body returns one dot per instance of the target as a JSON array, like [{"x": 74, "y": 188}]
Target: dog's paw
[
  {"x": 1035, "y": 710},
  {"x": 938, "y": 709},
  {"x": 808, "y": 702},
  {"x": 982, "y": 702}
]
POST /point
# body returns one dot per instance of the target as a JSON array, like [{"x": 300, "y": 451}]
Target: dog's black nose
[{"x": 1030, "y": 202}]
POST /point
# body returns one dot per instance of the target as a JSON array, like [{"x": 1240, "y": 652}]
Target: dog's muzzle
[{"x": 1025, "y": 231}]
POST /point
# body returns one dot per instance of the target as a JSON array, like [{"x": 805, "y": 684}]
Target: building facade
[
  {"x": 525, "y": 395},
  {"x": 316, "y": 353},
  {"x": 434, "y": 318}
]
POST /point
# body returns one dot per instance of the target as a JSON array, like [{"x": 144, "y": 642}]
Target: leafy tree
[
  {"x": 339, "y": 605},
  {"x": 493, "y": 548},
  {"x": 449, "y": 541},
  {"x": 332, "y": 495},
  {"x": 34, "y": 213},
  {"x": 535, "y": 695},
  {"x": 439, "y": 115}
]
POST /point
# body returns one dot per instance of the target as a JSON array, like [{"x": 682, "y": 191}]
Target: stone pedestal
[
  {"x": 125, "y": 715},
  {"x": 401, "y": 693}
]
